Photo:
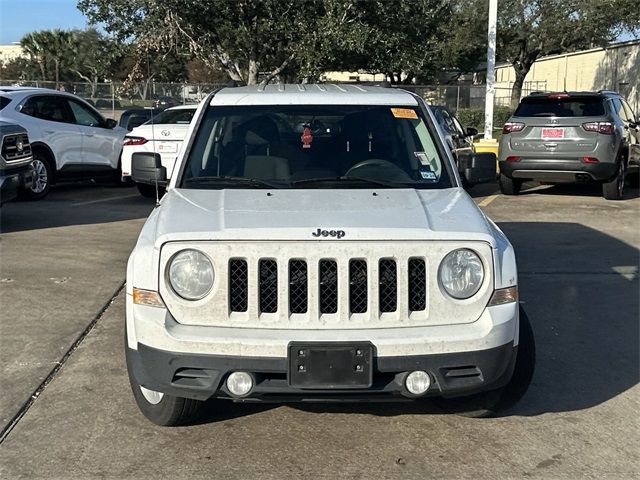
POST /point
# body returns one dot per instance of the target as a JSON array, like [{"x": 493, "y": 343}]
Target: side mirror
[
  {"x": 147, "y": 168},
  {"x": 477, "y": 167},
  {"x": 472, "y": 132},
  {"x": 110, "y": 123}
]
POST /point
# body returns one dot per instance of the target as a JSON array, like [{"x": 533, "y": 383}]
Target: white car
[
  {"x": 315, "y": 243},
  {"x": 163, "y": 134},
  {"x": 69, "y": 138}
]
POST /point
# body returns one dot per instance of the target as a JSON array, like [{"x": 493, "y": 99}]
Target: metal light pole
[{"x": 491, "y": 69}]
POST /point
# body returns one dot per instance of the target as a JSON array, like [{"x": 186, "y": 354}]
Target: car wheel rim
[
  {"x": 40, "y": 176},
  {"x": 151, "y": 396}
]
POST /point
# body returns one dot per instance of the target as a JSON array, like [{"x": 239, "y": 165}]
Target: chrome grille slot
[
  {"x": 298, "y": 286},
  {"x": 15, "y": 147},
  {"x": 358, "y": 294},
  {"x": 328, "y": 286},
  {"x": 417, "y": 287},
  {"x": 268, "y": 286},
  {"x": 238, "y": 285},
  {"x": 387, "y": 285}
]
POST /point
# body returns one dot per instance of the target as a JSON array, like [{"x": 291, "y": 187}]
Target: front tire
[
  {"x": 42, "y": 176},
  {"x": 614, "y": 190},
  {"x": 160, "y": 408},
  {"x": 509, "y": 186},
  {"x": 491, "y": 403}
]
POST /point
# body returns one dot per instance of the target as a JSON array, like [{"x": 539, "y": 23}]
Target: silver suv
[{"x": 570, "y": 137}]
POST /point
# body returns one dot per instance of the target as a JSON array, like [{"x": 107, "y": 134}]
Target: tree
[
  {"x": 54, "y": 51},
  {"x": 96, "y": 57},
  {"x": 35, "y": 45},
  {"x": 245, "y": 38},
  {"x": 529, "y": 29}
]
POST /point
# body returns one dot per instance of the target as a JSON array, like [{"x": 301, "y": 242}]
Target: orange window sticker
[{"x": 404, "y": 113}]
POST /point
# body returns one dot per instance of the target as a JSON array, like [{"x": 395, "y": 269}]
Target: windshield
[
  {"x": 560, "y": 107},
  {"x": 310, "y": 146},
  {"x": 180, "y": 116}
]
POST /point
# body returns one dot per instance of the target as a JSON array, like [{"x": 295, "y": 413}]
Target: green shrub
[{"x": 474, "y": 117}]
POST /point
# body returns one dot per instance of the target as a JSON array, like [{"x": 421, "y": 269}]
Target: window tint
[
  {"x": 174, "y": 117},
  {"x": 47, "y": 107},
  {"x": 84, "y": 115},
  {"x": 560, "y": 107},
  {"x": 293, "y": 146},
  {"x": 4, "y": 101}
]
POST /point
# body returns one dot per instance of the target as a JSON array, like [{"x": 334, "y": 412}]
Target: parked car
[
  {"x": 165, "y": 102},
  {"x": 70, "y": 140},
  {"x": 315, "y": 243},
  {"x": 458, "y": 138},
  {"x": 162, "y": 134},
  {"x": 16, "y": 171},
  {"x": 134, "y": 117},
  {"x": 570, "y": 137}
]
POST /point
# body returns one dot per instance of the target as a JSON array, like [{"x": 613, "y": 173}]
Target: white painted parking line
[
  {"x": 487, "y": 200},
  {"x": 102, "y": 200}
]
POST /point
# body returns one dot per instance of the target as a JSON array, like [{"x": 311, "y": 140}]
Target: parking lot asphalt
[{"x": 63, "y": 259}]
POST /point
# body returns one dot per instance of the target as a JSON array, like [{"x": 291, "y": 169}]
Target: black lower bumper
[
  {"x": 202, "y": 376},
  {"x": 565, "y": 170},
  {"x": 12, "y": 180}
]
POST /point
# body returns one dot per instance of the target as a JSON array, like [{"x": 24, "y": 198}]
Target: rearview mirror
[
  {"x": 110, "y": 123},
  {"x": 147, "y": 168},
  {"x": 478, "y": 167},
  {"x": 472, "y": 132}
]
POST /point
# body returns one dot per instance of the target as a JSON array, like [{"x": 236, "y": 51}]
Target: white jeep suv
[
  {"x": 69, "y": 138},
  {"x": 315, "y": 243}
]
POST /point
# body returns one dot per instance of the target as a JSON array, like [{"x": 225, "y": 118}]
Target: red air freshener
[{"x": 306, "y": 138}]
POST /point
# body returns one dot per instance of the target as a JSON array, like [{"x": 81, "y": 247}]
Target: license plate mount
[
  {"x": 552, "y": 133},
  {"x": 330, "y": 366}
]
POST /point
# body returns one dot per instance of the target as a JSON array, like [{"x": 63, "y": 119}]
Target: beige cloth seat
[{"x": 266, "y": 167}]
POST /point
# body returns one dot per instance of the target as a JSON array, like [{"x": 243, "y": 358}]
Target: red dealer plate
[{"x": 553, "y": 133}]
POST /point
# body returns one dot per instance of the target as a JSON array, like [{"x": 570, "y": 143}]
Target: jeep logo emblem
[{"x": 328, "y": 233}]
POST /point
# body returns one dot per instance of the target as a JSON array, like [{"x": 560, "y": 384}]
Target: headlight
[
  {"x": 191, "y": 274},
  {"x": 461, "y": 273}
]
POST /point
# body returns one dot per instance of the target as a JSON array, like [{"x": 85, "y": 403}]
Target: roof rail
[{"x": 608, "y": 91}]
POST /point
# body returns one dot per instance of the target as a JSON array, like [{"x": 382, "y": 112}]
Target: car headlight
[
  {"x": 191, "y": 274},
  {"x": 461, "y": 273}
]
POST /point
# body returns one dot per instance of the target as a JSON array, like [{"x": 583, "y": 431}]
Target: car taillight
[
  {"x": 558, "y": 96},
  {"x": 605, "y": 128},
  {"x": 512, "y": 158},
  {"x": 590, "y": 160},
  {"x": 132, "y": 141},
  {"x": 511, "y": 127}
]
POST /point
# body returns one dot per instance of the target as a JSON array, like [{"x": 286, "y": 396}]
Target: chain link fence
[{"x": 464, "y": 100}]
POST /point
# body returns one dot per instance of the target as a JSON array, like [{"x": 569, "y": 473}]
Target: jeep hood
[{"x": 363, "y": 214}]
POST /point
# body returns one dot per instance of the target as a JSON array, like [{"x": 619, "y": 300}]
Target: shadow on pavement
[
  {"x": 580, "y": 290},
  {"x": 83, "y": 204},
  {"x": 574, "y": 189}
]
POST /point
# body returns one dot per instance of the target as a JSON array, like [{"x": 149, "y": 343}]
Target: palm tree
[{"x": 34, "y": 43}]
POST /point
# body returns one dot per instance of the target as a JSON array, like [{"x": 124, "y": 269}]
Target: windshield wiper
[
  {"x": 348, "y": 178},
  {"x": 229, "y": 180}
]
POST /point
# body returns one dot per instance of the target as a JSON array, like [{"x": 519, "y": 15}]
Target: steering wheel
[{"x": 377, "y": 165}]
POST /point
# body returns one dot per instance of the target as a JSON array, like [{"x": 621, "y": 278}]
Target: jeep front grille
[
  {"x": 328, "y": 286},
  {"x": 388, "y": 285},
  {"x": 328, "y": 277},
  {"x": 15, "y": 147},
  {"x": 238, "y": 285},
  {"x": 417, "y": 280},
  {"x": 298, "y": 286},
  {"x": 268, "y": 291}
]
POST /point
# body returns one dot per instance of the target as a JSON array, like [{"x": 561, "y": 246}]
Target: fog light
[
  {"x": 239, "y": 383},
  {"x": 417, "y": 382}
]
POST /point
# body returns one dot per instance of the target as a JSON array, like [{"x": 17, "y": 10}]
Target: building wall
[
  {"x": 11, "y": 52},
  {"x": 616, "y": 67}
]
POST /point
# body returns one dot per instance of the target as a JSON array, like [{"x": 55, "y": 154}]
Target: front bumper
[
  {"x": 558, "y": 170},
  {"x": 202, "y": 376},
  {"x": 194, "y": 362},
  {"x": 12, "y": 180}
]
